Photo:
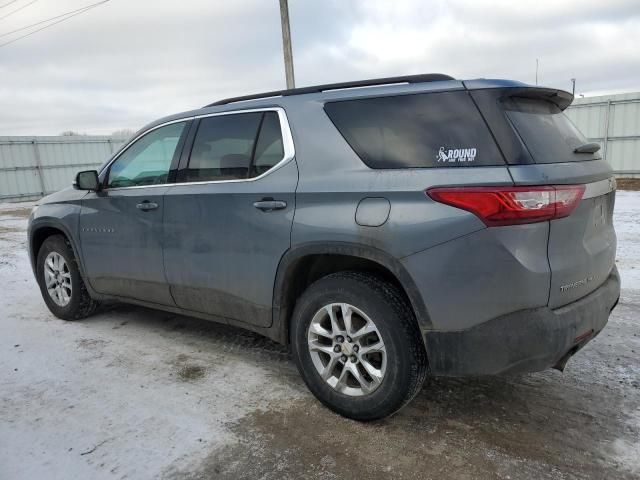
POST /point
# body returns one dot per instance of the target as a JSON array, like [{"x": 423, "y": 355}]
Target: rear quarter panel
[
  {"x": 465, "y": 272},
  {"x": 333, "y": 180},
  {"x": 483, "y": 275}
]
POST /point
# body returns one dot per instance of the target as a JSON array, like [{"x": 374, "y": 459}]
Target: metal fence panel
[
  {"x": 31, "y": 167},
  {"x": 590, "y": 120},
  {"x": 614, "y": 122}
]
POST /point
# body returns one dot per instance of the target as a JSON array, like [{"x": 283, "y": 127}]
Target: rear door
[
  {"x": 582, "y": 246},
  {"x": 228, "y": 220}
]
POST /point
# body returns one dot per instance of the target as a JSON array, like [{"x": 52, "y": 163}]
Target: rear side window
[
  {"x": 547, "y": 132},
  {"x": 416, "y": 131}
]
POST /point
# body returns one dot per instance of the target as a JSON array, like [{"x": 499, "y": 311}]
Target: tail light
[{"x": 497, "y": 206}]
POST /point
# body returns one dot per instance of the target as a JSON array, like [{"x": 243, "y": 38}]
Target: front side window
[
  {"x": 148, "y": 160},
  {"x": 236, "y": 146}
]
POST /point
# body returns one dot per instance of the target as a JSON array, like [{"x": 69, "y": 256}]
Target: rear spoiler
[
  {"x": 560, "y": 98},
  {"x": 508, "y": 89}
]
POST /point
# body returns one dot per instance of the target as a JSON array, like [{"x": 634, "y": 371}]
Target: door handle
[
  {"x": 146, "y": 206},
  {"x": 268, "y": 205}
]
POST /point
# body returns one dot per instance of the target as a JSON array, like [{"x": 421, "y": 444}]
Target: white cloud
[{"x": 126, "y": 63}]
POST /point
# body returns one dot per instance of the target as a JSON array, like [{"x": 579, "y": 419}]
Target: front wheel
[
  {"x": 61, "y": 285},
  {"x": 357, "y": 346}
]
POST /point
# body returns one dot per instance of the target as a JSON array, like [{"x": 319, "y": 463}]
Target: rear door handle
[
  {"x": 146, "y": 206},
  {"x": 269, "y": 205}
]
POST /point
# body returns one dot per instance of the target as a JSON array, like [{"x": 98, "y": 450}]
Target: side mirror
[{"x": 87, "y": 180}]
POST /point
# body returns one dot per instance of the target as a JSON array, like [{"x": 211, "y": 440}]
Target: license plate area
[{"x": 600, "y": 212}]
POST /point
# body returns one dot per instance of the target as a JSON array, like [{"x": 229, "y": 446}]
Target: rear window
[
  {"x": 547, "y": 132},
  {"x": 416, "y": 131}
]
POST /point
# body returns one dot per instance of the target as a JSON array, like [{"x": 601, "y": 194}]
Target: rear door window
[
  {"x": 269, "y": 148},
  {"x": 547, "y": 132},
  {"x": 223, "y": 147},
  {"x": 443, "y": 129},
  {"x": 235, "y": 146}
]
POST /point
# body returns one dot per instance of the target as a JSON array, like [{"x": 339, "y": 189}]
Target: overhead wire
[
  {"x": 8, "y": 3},
  {"x": 47, "y": 20},
  {"x": 18, "y": 9},
  {"x": 66, "y": 16}
]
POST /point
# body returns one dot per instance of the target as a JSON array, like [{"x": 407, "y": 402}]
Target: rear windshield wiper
[{"x": 588, "y": 148}]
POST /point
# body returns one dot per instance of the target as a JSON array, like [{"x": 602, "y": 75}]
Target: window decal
[{"x": 456, "y": 155}]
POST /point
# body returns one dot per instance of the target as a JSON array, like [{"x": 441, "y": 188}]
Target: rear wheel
[
  {"x": 356, "y": 344},
  {"x": 61, "y": 285}
]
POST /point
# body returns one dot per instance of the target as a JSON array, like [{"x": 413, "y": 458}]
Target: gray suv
[{"x": 384, "y": 229}]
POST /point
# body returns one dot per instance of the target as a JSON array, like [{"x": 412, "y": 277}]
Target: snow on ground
[
  {"x": 134, "y": 393},
  {"x": 627, "y": 224},
  {"x": 116, "y": 396}
]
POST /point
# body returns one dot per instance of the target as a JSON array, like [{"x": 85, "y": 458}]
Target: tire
[
  {"x": 76, "y": 302},
  {"x": 362, "y": 298}
]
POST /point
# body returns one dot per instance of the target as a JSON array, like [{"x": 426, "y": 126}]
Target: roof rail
[{"x": 427, "y": 77}]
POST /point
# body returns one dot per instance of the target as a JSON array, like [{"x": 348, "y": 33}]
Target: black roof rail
[{"x": 427, "y": 77}]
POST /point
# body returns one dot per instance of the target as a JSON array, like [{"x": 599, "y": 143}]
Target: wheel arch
[
  {"x": 40, "y": 231},
  {"x": 302, "y": 265}
]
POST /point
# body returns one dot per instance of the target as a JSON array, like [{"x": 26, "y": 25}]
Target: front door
[
  {"x": 121, "y": 225},
  {"x": 228, "y": 219}
]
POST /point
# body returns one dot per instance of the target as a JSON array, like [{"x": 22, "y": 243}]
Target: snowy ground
[{"x": 133, "y": 393}]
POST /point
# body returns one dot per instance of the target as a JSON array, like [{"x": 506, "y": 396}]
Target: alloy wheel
[
  {"x": 347, "y": 349},
  {"x": 57, "y": 278}
]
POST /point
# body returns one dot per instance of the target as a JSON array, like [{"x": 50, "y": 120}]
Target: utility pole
[
  {"x": 536, "y": 71},
  {"x": 286, "y": 44},
  {"x": 573, "y": 87}
]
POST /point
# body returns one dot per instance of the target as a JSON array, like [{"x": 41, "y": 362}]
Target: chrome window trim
[
  {"x": 596, "y": 189},
  {"x": 285, "y": 132}
]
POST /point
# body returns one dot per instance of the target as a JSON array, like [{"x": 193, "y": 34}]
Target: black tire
[
  {"x": 384, "y": 304},
  {"x": 81, "y": 304}
]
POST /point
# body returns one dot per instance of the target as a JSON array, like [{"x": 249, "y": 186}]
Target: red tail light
[{"x": 497, "y": 206}]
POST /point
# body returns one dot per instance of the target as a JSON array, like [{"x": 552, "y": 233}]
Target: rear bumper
[{"x": 523, "y": 341}]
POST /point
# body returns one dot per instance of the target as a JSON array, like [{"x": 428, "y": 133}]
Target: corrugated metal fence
[
  {"x": 614, "y": 122},
  {"x": 31, "y": 167}
]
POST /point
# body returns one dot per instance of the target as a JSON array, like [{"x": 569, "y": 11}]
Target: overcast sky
[{"x": 125, "y": 63}]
